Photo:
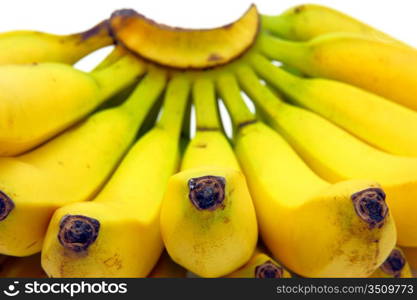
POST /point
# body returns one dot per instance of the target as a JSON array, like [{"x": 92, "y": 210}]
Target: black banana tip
[
  {"x": 78, "y": 232},
  {"x": 394, "y": 264},
  {"x": 370, "y": 206},
  {"x": 269, "y": 270},
  {"x": 207, "y": 192},
  {"x": 6, "y": 206}
]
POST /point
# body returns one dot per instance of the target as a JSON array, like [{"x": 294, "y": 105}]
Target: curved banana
[
  {"x": 208, "y": 221},
  {"x": 27, "y": 47},
  {"x": 55, "y": 96},
  {"x": 307, "y": 21},
  {"x": 22, "y": 267},
  {"x": 336, "y": 155},
  {"x": 358, "y": 111},
  {"x": 314, "y": 228},
  {"x": 386, "y": 69},
  {"x": 117, "y": 234},
  {"x": 70, "y": 168},
  {"x": 395, "y": 266},
  {"x": 260, "y": 266},
  {"x": 167, "y": 268}
]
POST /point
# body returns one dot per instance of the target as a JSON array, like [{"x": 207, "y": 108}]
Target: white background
[{"x": 395, "y": 17}]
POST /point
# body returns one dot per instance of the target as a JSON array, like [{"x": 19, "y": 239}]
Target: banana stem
[
  {"x": 205, "y": 102},
  {"x": 264, "y": 98},
  {"x": 81, "y": 44},
  {"x": 230, "y": 92},
  {"x": 277, "y": 25},
  {"x": 175, "y": 104},
  {"x": 118, "y": 75},
  {"x": 284, "y": 81},
  {"x": 145, "y": 95},
  {"x": 292, "y": 53},
  {"x": 116, "y": 54}
]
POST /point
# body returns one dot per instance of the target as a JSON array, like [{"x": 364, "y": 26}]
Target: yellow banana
[
  {"x": 26, "y": 47},
  {"x": 70, "y": 168},
  {"x": 167, "y": 268},
  {"x": 55, "y": 96},
  {"x": 395, "y": 266},
  {"x": 307, "y": 21},
  {"x": 260, "y": 266},
  {"x": 117, "y": 234},
  {"x": 336, "y": 155},
  {"x": 386, "y": 69},
  {"x": 18, "y": 267},
  {"x": 314, "y": 228},
  {"x": 208, "y": 222},
  {"x": 358, "y": 111}
]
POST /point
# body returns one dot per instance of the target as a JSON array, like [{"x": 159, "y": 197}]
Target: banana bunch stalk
[{"x": 99, "y": 176}]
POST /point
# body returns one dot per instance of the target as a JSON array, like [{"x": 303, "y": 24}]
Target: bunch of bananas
[{"x": 98, "y": 172}]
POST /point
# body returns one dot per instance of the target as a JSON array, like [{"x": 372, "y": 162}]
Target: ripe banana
[
  {"x": 395, "y": 266},
  {"x": 336, "y": 155},
  {"x": 27, "y": 47},
  {"x": 208, "y": 221},
  {"x": 22, "y": 267},
  {"x": 314, "y": 228},
  {"x": 386, "y": 69},
  {"x": 117, "y": 234},
  {"x": 261, "y": 266},
  {"x": 167, "y": 268},
  {"x": 70, "y": 168},
  {"x": 358, "y": 111},
  {"x": 307, "y": 21},
  {"x": 55, "y": 96}
]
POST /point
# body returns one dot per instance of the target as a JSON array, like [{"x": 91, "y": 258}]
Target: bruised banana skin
[
  {"x": 307, "y": 21},
  {"x": 260, "y": 266},
  {"x": 385, "y": 69},
  {"x": 208, "y": 221},
  {"x": 336, "y": 155},
  {"x": 358, "y": 111},
  {"x": 124, "y": 240},
  {"x": 395, "y": 266},
  {"x": 70, "y": 168},
  {"x": 26, "y": 118},
  {"x": 22, "y": 267},
  {"x": 26, "y": 47},
  {"x": 314, "y": 228}
]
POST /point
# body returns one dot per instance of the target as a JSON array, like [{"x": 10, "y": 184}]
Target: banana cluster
[{"x": 99, "y": 176}]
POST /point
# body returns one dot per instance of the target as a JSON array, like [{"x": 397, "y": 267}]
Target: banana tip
[
  {"x": 268, "y": 270},
  {"x": 207, "y": 192},
  {"x": 6, "y": 206},
  {"x": 394, "y": 264},
  {"x": 371, "y": 207},
  {"x": 77, "y": 233}
]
